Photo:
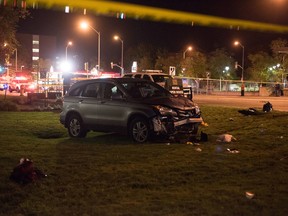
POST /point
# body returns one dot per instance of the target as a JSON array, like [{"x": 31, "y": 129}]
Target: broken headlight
[
  {"x": 197, "y": 110},
  {"x": 166, "y": 111}
]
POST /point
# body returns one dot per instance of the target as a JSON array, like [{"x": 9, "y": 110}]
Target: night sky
[{"x": 174, "y": 37}]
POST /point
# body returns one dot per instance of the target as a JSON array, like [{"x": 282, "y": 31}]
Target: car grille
[{"x": 187, "y": 113}]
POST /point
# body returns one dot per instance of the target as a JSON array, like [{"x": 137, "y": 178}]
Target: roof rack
[{"x": 152, "y": 71}]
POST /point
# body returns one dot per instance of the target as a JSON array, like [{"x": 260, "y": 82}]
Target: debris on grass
[
  {"x": 191, "y": 143},
  {"x": 250, "y": 111},
  {"x": 225, "y": 138},
  {"x": 234, "y": 151},
  {"x": 204, "y": 124},
  {"x": 249, "y": 195},
  {"x": 25, "y": 172}
]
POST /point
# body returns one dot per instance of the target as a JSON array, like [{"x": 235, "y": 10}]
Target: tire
[
  {"x": 75, "y": 127},
  {"x": 139, "y": 130}
]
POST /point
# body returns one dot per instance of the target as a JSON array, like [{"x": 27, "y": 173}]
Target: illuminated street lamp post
[
  {"x": 16, "y": 60},
  {"x": 188, "y": 49},
  {"x": 116, "y": 37},
  {"x": 238, "y": 43},
  {"x": 85, "y": 25},
  {"x": 68, "y": 44}
]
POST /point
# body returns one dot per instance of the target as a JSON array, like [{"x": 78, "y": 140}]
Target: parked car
[
  {"x": 17, "y": 85},
  {"x": 159, "y": 78},
  {"x": 3, "y": 83},
  {"x": 3, "y": 86},
  {"x": 136, "y": 107}
]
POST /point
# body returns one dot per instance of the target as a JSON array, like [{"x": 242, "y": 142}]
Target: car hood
[{"x": 180, "y": 102}]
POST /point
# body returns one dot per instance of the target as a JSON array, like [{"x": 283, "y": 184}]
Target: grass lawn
[{"x": 107, "y": 174}]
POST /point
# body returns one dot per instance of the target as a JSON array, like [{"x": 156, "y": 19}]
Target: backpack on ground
[{"x": 267, "y": 107}]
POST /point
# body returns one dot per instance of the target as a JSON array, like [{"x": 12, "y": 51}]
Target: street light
[
  {"x": 236, "y": 43},
  {"x": 68, "y": 44},
  {"x": 188, "y": 49},
  {"x": 116, "y": 37},
  {"x": 85, "y": 25}
]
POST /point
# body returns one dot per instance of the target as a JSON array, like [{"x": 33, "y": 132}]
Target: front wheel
[
  {"x": 76, "y": 127},
  {"x": 139, "y": 130}
]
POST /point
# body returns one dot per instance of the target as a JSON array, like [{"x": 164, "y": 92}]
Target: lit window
[
  {"x": 35, "y": 42},
  {"x": 35, "y": 50},
  {"x": 35, "y": 58}
]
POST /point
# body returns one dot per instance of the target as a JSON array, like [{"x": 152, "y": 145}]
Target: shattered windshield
[{"x": 144, "y": 90}]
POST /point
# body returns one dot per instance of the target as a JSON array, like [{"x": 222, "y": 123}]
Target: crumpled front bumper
[
  {"x": 188, "y": 121},
  {"x": 169, "y": 126}
]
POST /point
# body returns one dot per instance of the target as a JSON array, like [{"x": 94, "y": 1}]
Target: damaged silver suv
[{"x": 139, "y": 108}]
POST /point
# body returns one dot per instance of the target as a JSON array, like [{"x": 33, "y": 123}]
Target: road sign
[{"x": 172, "y": 70}]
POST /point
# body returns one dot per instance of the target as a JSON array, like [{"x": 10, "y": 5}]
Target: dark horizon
[{"x": 174, "y": 37}]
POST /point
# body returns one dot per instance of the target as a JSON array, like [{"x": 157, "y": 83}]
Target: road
[{"x": 243, "y": 102}]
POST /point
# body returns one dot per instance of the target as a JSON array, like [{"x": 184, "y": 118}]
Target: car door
[
  {"x": 113, "y": 109},
  {"x": 89, "y": 103}
]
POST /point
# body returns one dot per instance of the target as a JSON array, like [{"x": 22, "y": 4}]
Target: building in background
[{"x": 35, "y": 49}]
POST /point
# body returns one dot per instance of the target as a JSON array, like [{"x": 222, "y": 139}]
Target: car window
[
  {"x": 146, "y": 77},
  {"x": 160, "y": 78},
  {"x": 144, "y": 90},
  {"x": 127, "y": 75},
  {"x": 91, "y": 90},
  {"x": 137, "y": 76},
  {"x": 76, "y": 91},
  {"x": 111, "y": 90}
]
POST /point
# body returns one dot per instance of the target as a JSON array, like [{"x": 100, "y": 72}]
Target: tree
[
  {"x": 195, "y": 65},
  {"x": 165, "y": 60},
  {"x": 218, "y": 60},
  {"x": 277, "y": 44},
  {"x": 9, "y": 17},
  {"x": 261, "y": 62},
  {"x": 144, "y": 54},
  {"x": 280, "y": 57}
]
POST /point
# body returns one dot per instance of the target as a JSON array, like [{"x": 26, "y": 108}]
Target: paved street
[{"x": 243, "y": 102}]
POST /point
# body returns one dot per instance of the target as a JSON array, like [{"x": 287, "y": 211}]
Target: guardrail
[{"x": 233, "y": 87}]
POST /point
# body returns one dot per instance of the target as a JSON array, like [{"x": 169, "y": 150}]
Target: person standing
[
  {"x": 277, "y": 89},
  {"x": 242, "y": 89}
]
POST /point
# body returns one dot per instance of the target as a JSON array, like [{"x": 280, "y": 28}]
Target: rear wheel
[
  {"x": 139, "y": 130},
  {"x": 76, "y": 127}
]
